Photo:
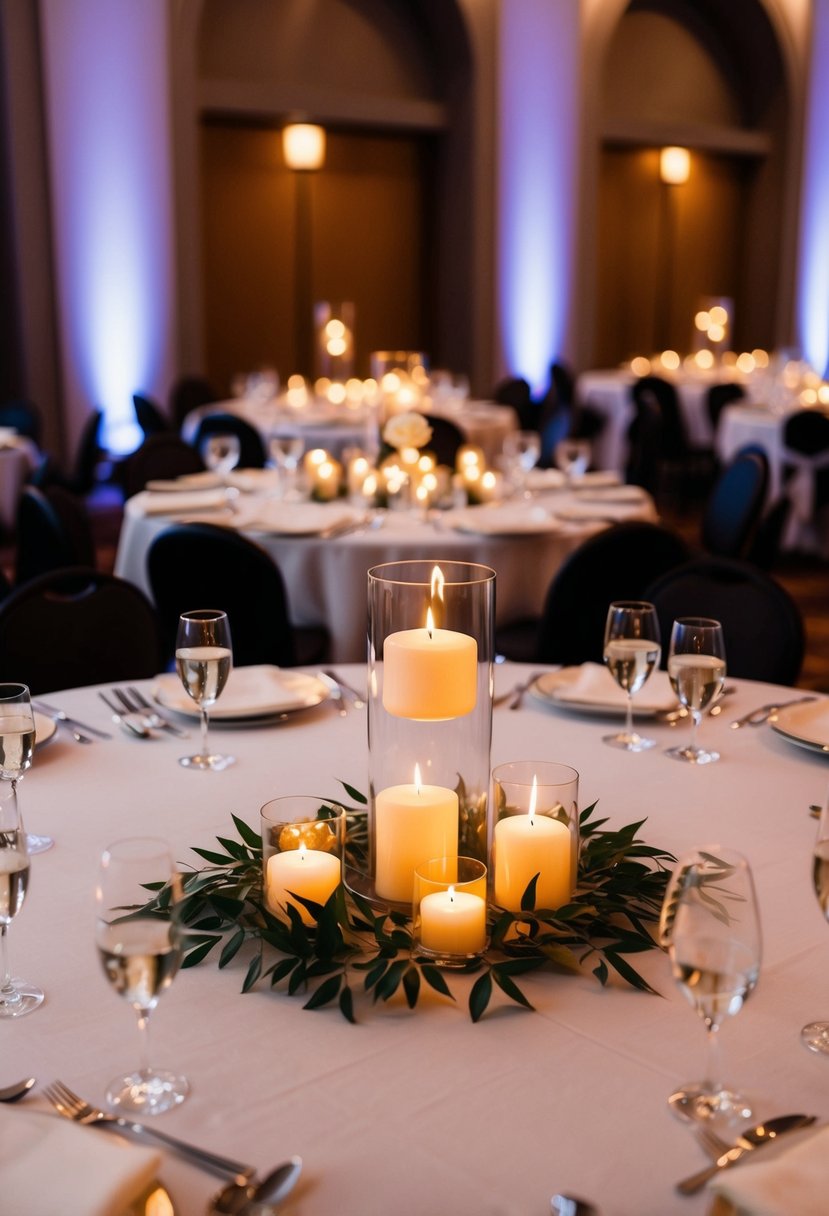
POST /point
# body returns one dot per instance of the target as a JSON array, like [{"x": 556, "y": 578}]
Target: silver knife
[
  {"x": 748, "y": 1142},
  {"x": 59, "y": 716}
]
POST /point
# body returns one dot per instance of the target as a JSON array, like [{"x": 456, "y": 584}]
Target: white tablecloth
[
  {"x": 326, "y": 578},
  {"x": 608, "y": 392},
  {"x": 423, "y": 1112},
  {"x": 334, "y": 428}
]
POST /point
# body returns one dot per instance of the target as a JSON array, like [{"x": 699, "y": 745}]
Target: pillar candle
[
  {"x": 526, "y": 845},
  {"x": 453, "y": 922},
  {"x": 413, "y": 823},
  {"x": 430, "y": 675},
  {"x": 306, "y": 872}
]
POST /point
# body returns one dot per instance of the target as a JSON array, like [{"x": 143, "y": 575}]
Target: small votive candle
[
  {"x": 449, "y": 910},
  {"x": 302, "y": 848},
  {"x": 536, "y": 833}
]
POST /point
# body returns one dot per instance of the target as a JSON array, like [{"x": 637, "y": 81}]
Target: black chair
[
  {"x": 644, "y": 447},
  {"x": 617, "y": 564},
  {"x": 252, "y": 454},
  {"x": 149, "y": 415},
  {"x": 762, "y": 625},
  {"x": 24, "y": 416},
  {"x": 735, "y": 504},
  {"x": 718, "y": 397},
  {"x": 675, "y": 465},
  {"x": 77, "y": 626},
  {"x": 446, "y": 439},
  {"x": 81, "y": 478},
  {"x": 187, "y": 394},
  {"x": 806, "y": 433},
  {"x": 764, "y": 548},
  {"x": 160, "y": 456},
  {"x": 53, "y": 531},
  {"x": 516, "y": 392},
  {"x": 193, "y": 565}
]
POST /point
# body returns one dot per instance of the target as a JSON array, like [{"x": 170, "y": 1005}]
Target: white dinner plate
[
  {"x": 252, "y": 694},
  {"x": 807, "y": 725},
  {"x": 539, "y": 480},
  {"x": 297, "y": 519},
  {"x": 188, "y": 481},
  {"x": 595, "y": 478},
  {"x": 613, "y": 494},
  {"x": 44, "y": 728},
  {"x": 501, "y": 521},
  {"x": 594, "y": 512},
  {"x": 559, "y": 689}
]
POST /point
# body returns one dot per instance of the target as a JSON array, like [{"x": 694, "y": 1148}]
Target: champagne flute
[
  {"x": 17, "y": 740},
  {"x": 17, "y": 996},
  {"x": 696, "y": 669},
  {"x": 572, "y": 457},
  {"x": 140, "y": 952},
  {"x": 521, "y": 451},
  {"x": 203, "y": 660},
  {"x": 286, "y": 453},
  {"x": 815, "y": 1035},
  {"x": 711, "y": 928},
  {"x": 631, "y": 651},
  {"x": 221, "y": 452}
]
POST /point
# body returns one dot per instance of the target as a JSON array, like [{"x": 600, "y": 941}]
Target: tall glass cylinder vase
[{"x": 430, "y": 656}]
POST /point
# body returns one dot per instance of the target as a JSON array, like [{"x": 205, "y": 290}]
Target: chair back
[
  {"x": 53, "y": 531},
  {"x": 77, "y": 626},
  {"x": 446, "y": 439},
  {"x": 516, "y": 392},
  {"x": 149, "y": 415},
  {"x": 201, "y": 565},
  {"x": 644, "y": 446},
  {"x": 24, "y": 416},
  {"x": 762, "y": 625},
  {"x": 656, "y": 390},
  {"x": 766, "y": 543},
  {"x": 252, "y": 454},
  {"x": 718, "y": 397},
  {"x": 189, "y": 393},
  {"x": 735, "y": 504},
  {"x": 82, "y": 477},
  {"x": 617, "y": 564},
  {"x": 806, "y": 431},
  {"x": 164, "y": 455}
]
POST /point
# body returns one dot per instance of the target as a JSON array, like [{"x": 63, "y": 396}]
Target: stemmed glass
[
  {"x": 815, "y": 1035},
  {"x": 204, "y": 656},
  {"x": 631, "y": 651},
  {"x": 286, "y": 453},
  {"x": 696, "y": 669},
  {"x": 140, "y": 951},
  {"x": 572, "y": 457},
  {"x": 17, "y": 740},
  {"x": 221, "y": 452},
  {"x": 521, "y": 450},
  {"x": 711, "y": 927},
  {"x": 16, "y": 996}
]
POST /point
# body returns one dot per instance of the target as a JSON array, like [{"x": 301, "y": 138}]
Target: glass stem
[
  {"x": 204, "y": 750},
  {"x": 713, "y": 1065},
  {"x": 629, "y": 716},
  {"x": 144, "y": 1042},
  {"x": 7, "y": 992},
  {"x": 696, "y": 718}
]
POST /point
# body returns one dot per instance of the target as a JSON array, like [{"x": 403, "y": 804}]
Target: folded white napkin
[
  {"x": 791, "y": 1183},
  {"x": 592, "y": 684},
  {"x": 185, "y": 483},
  {"x": 295, "y": 519},
  {"x": 151, "y": 503},
  {"x": 49, "y": 1166}
]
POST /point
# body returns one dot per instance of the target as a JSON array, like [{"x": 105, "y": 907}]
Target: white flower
[{"x": 410, "y": 430}]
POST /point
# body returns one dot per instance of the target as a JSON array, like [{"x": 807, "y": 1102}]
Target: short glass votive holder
[
  {"x": 536, "y": 833},
  {"x": 449, "y": 910},
  {"x": 303, "y": 845}
]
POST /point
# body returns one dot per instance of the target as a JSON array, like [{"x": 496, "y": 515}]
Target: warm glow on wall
[
  {"x": 303, "y": 146},
  {"x": 674, "y": 166}
]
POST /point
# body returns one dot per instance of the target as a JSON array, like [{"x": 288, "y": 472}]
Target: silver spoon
[
  {"x": 13, "y": 1093},
  {"x": 259, "y": 1198}
]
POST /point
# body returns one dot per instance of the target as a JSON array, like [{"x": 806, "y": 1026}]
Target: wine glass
[
  {"x": 140, "y": 952},
  {"x": 521, "y": 451},
  {"x": 17, "y": 740},
  {"x": 631, "y": 651},
  {"x": 572, "y": 457},
  {"x": 696, "y": 669},
  {"x": 815, "y": 1035},
  {"x": 17, "y": 996},
  {"x": 286, "y": 453},
  {"x": 711, "y": 928},
  {"x": 221, "y": 452},
  {"x": 204, "y": 657}
]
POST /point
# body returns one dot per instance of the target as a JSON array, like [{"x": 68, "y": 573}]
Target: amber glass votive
[{"x": 303, "y": 843}]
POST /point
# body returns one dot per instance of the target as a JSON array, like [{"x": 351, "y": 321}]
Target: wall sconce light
[
  {"x": 674, "y": 166},
  {"x": 303, "y": 146}
]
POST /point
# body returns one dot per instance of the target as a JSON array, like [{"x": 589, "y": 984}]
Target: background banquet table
[
  {"x": 326, "y": 576},
  {"x": 335, "y": 428},
  {"x": 415, "y": 1112},
  {"x": 18, "y": 459}
]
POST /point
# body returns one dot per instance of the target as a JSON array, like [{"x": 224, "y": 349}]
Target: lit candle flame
[
  {"x": 302, "y": 850},
  {"x": 430, "y": 622},
  {"x": 451, "y": 894},
  {"x": 533, "y": 799},
  {"x": 418, "y": 781}
]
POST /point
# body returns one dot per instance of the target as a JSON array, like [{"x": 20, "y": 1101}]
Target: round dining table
[
  {"x": 325, "y": 568},
  {"x": 422, "y": 1111}
]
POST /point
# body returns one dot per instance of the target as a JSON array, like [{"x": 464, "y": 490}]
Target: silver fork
[
  {"x": 71, "y": 1106},
  {"x": 135, "y": 701},
  {"x": 713, "y": 1144}
]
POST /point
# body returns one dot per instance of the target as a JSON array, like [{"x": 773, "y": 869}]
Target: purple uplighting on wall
[
  {"x": 813, "y": 302},
  {"x": 110, "y": 164},
  {"x": 537, "y": 181}
]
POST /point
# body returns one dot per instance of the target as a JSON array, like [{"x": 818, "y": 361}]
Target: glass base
[
  {"x": 38, "y": 844},
  {"x": 25, "y": 998},
  {"x": 815, "y": 1036},
  {"x": 216, "y": 763},
  {"x": 632, "y": 742},
  {"x": 696, "y": 1101},
  {"x": 692, "y": 755},
  {"x": 147, "y": 1094}
]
